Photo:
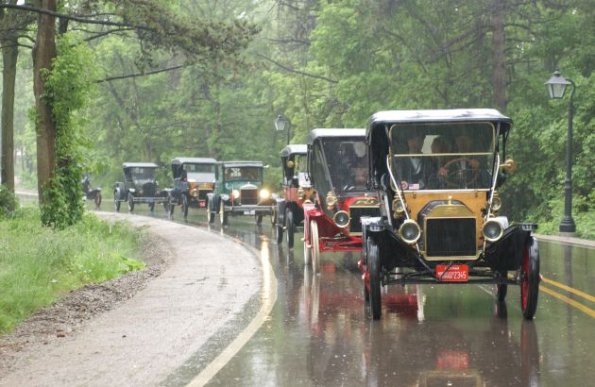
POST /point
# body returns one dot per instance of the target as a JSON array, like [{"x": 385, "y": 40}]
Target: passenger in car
[{"x": 416, "y": 171}]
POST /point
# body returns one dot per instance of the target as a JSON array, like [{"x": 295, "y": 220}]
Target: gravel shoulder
[{"x": 139, "y": 328}]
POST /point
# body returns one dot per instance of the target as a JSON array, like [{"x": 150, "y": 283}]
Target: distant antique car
[
  {"x": 296, "y": 188},
  {"x": 338, "y": 170},
  {"x": 437, "y": 172},
  {"x": 139, "y": 186},
  {"x": 239, "y": 191},
  {"x": 193, "y": 179}
]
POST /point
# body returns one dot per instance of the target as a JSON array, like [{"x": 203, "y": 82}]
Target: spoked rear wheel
[
  {"x": 97, "y": 200},
  {"x": 185, "y": 205},
  {"x": 279, "y": 229},
  {"x": 374, "y": 275},
  {"x": 290, "y": 228},
  {"x": 530, "y": 278}
]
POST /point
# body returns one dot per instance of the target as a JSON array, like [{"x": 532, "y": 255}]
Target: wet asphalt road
[{"x": 319, "y": 333}]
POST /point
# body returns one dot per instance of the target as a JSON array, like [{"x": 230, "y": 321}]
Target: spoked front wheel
[
  {"x": 222, "y": 214},
  {"x": 130, "y": 202},
  {"x": 307, "y": 251},
  {"x": 530, "y": 278},
  {"x": 374, "y": 276},
  {"x": 315, "y": 243}
]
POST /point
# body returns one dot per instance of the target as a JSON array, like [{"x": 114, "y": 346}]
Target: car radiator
[
  {"x": 248, "y": 196},
  {"x": 450, "y": 237}
]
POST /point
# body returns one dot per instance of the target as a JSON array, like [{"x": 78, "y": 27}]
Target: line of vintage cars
[
  {"x": 415, "y": 193},
  {"x": 222, "y": 188}
]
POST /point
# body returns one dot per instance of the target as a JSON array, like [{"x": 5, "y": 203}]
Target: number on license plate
[{"x": 452, "y": 273}]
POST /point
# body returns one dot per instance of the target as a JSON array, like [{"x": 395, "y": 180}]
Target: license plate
[
  {"x": 452, "y": 273},
  {"x": 249, "y": 212}
]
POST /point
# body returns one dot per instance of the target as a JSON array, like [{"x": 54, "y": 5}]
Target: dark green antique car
[{"x": 239, "y": 191}]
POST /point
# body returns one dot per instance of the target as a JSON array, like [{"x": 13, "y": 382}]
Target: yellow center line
[
  {"x": 570, "y": 301},
  {"x": 576, "y": 292},
  {"x": 269, "y": 297}
]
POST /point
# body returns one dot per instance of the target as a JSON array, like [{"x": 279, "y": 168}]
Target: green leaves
[{"x": 68, "y": 87}]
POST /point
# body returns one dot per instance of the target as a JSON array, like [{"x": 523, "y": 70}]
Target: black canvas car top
[{"x": 293, "y": 149}]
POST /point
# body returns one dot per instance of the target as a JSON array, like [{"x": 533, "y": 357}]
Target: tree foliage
[{"x": 235, "y": 65}]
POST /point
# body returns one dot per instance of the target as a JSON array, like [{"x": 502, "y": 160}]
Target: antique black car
[
  {"x": 296, "y": 189},
  {"x": 239, "y": 191},
  {"x": 139, "y": 186},
  {"x": 338, "y": 170},
  {"x": 193, "y": 180},
  {"x": 437, "y": 174}
]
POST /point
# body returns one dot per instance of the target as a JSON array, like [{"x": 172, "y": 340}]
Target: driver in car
[{"x": 464, "y": 169}]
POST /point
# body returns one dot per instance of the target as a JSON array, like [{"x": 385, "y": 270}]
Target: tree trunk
[
  {"x": 10, "y": 53},
  {"x": 43, "y": 54},
  {"x": 499, "y": 55}
]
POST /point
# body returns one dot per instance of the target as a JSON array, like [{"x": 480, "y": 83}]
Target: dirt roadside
[{"x": 137, "y": 329}]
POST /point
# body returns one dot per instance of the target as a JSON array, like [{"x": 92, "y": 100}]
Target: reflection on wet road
[{"x": 446, "y": 335}]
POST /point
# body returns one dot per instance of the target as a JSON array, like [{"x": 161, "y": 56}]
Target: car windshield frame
[{"x": 428, "y": 147}]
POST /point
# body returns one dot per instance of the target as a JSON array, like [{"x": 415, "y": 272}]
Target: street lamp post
[
  {"x": 282, "y": 123},
  {"x": 556, "y": 87}
]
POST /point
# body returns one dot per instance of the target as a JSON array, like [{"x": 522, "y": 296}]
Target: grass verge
[{"x": 39, "y": 264}]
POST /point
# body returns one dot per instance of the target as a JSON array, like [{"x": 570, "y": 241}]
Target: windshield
[
  {"x": 339, "y": 165},
  {"x": 199, "y": 168},
  {"x": 243, "y": 173},
  {"x": 442, "y": 155},
  {"x": 140, "y": 174},
  {"x": 198, "y": 172}
]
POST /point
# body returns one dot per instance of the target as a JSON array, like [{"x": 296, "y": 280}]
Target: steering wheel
[{"x": 456, "y": 177}]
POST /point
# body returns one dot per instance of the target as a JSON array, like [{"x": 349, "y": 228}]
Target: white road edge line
[{"x": 269, "y": 296}]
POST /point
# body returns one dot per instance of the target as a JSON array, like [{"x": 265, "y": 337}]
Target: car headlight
[
  {"x": 331, "y": 200},
  {"x": 235, "y": 194},
  {"x": 264, "y": 194},
  {"x": 493, "y": 228},
  {"x": 341, "y": 219},
  {"x": 410, "y": 231}
]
